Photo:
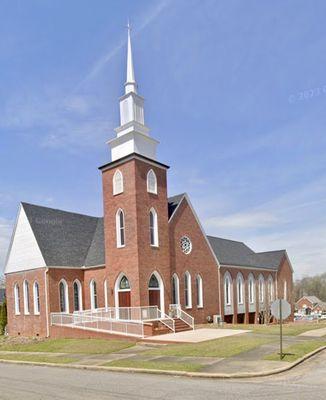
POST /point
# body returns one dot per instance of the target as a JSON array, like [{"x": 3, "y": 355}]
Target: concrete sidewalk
[
  {"x": 315, "y": 333},
  {"x": 196, "y": 335}
]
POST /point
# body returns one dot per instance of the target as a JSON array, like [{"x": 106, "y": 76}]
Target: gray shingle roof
[
  {"x": 76, "y": 240},
  {"x": 313, "y": 299},
  {"x": 173, "y": 203},
  {"x": 231, "y": 252},
  {"x": 65, "y": 238}
]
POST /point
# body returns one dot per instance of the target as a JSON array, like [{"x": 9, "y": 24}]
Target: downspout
[
  {"x": 46, "y": 302},
  {"x": 219, "y": 291}
]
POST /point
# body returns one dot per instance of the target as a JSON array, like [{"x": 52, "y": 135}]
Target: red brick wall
[
  {"x": 304, "y": 301},
  {"x": 137, "y": 259},
  {"x": 199, "y": 261},
  {"x": 285, "y": 274},
  {"x": 26, "y": 325}
]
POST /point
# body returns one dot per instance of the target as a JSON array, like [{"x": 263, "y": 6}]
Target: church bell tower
[{"x": 135, "y": 208}]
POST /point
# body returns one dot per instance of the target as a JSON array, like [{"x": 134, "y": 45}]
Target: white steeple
[
  {"x": 130, "y": 85},
  {"x": 132, "y": 134}
]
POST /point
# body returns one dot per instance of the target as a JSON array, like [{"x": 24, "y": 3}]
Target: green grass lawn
[
  {"x": 298, "y": 350},
  {"x": 37, "y": 358},
  {"x": 160, "y": 365},
  {"x": 224, "y": 347},
  {"x": 290, "y": 329},
  {"x": 69, "y": 346}
]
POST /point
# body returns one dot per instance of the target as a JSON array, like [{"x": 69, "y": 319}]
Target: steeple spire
[
  {"x": 132, "y": 134},
  {"x": 130, "y": 85}
]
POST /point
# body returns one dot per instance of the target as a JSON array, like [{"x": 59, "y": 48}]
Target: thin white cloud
[
  {"x": 255, "y": 219},
  {"x": 147, "y": 19}
]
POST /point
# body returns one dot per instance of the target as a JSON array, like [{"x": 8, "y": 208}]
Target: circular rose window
[{"x": 186, "y": 245}]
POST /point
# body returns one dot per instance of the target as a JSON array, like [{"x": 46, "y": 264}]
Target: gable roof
[
  {"x": 173, "y": 203},
  {"x": 234, "y": 253},
  {"x": 313, "y": 299},
  {"x": 66, "y": 238},
  {"x": 76, "y": 240}
]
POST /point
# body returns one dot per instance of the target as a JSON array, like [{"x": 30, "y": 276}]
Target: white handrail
[{"x": 177, "y": 312}]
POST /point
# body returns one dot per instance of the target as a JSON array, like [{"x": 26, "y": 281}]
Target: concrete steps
[{"x": 181, "y": 326}]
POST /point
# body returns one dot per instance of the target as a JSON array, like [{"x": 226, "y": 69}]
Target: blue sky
[{"x": 235, "y": 92}]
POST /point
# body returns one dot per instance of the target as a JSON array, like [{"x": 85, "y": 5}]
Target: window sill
[
  {"x": 121, "y": 247},
  {"x": 17, "y": 313},
  {"x": 27, "y": 313},
  {"x": 200, "y": 306},
  {"x": 188, "y": 307},
  {"x": 117, "y": 194},
  {"x": 155, "y": 246},
  {"x": 37, "y": 313}
]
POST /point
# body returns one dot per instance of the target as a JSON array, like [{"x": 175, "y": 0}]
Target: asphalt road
[{"x": 307, "y": 381}]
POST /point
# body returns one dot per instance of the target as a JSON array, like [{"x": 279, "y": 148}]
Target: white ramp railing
[
  {"x": 119, "y": 320},
  {"x": 177, "y": 312},
  {"x": 98, "y": 323}
]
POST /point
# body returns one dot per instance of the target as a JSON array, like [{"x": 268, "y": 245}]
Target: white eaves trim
[{"x": 245, "y": 267}]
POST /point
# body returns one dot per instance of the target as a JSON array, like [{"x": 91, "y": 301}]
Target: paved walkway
[
  {"x": 196, "y": 336},
  {"x": 315, "y": 333}
]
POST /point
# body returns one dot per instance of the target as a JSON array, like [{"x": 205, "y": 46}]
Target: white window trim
[
  {"x": 271, "y": 289},
  {"x": 17, "y": 299},
  {"x": 26, "y": 297},
  {"x": 115, "y": 189},
  {"x": 80, "y": 293},
  {"x": 261, "y": 289},
  {"x": 66, "y": 292},
  {"x": 200, "y": 294},
  {"x": 149, "y": 190},
  {"x": 228, "y": 290},
  {"x": 189, "y": 292},
  {"x": 175, "y": 280},
  {"x": 155, "y": 227},
  {"x": 240, "y": 281},
  {"x": 251, "y": 289},
  {"x": 36, "y": 298},
  {"x": 118, "y": 228},
  {"x": 91, "y": 287},
  {"x": 106, "y": 300}
]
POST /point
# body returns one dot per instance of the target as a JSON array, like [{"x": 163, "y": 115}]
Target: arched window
[
  {"x": 175, "y": 289},
  {"x": 36, "y": 296},
  {"x": 26, "y": 297},
  {"x": 124, "y": 283},
  {"x": 227, "y": 289},
  {"x": 106, "y": 301},
  {"x": 240, "y": 288},
  {"x": 153, "y": 282},
  {"x": 285, "y": 290},
  {"x": 17, "y": 299},
  {"x": 199, "y": 290},
  {"x": 153, "y": 227},
  {"x": 261, "y": 289},
  {"x": 78, "y": 305},
  {"x": 93, "y": 292},
  {"x": 251, "y": 288},
  {"x": 63, "y": 296},
  {"x": 117, "y": 182},
  {"x": 188, "y": 296},
  {"x": 120, "y": 228},
  {"x": 270, "y": 289},
  {"x": 151, "y": 182}
]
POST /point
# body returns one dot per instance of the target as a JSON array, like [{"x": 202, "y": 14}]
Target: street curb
[{"x": 173, "y": 373}]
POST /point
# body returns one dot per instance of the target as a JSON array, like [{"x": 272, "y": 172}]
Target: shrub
[{"x": 3, "y": 317}]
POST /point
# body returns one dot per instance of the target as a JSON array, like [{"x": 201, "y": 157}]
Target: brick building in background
[{"x": 147, "y": 250}]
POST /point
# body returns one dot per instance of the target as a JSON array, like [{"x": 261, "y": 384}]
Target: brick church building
[{"x": 147, "y": 264}]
